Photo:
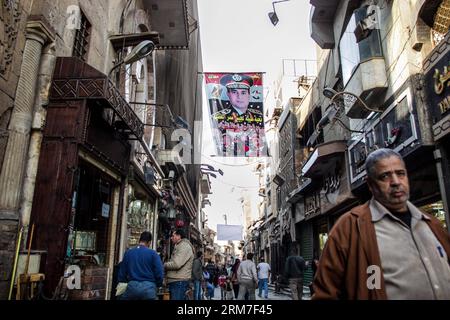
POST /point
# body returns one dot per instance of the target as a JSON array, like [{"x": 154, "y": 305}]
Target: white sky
[{"x": 237, "y": 36}]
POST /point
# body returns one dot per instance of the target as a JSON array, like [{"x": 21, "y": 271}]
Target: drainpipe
[
  {"x": 37, "y": 126},
  {"x": 11, "y": 176}
]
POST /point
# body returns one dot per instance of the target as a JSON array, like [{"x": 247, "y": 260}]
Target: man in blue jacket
[{"x": 142, "y": 268}]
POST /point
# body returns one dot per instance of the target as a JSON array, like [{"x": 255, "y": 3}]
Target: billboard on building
[
  {"x": 236, "y": 113},
  {"x": 229, "y": 232}
]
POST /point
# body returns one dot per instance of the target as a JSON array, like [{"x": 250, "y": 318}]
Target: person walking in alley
[
  {"x": 247, "y": 278},
  {"x": 142, "y": 269},
  {"x": 263, "y": 278},
  {"x": 234, "y": 278},
  {"x": 386, "y": 248},
  {"x": 197, "y": 275},
  {"x": 293, "y": 270},
  {"x": 179, "y": 267}
]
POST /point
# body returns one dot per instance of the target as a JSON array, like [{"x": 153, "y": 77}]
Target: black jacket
[{"x": 294, "y": 268}]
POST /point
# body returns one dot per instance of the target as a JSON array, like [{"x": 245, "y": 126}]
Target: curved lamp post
[
  {"x": 142, "y": 50},
  {"x": 333, "y": 94},
  {"x": 333, "y": 110}
]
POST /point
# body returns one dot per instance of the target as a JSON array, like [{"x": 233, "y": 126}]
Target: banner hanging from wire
[{"x": 237, "y": 113}]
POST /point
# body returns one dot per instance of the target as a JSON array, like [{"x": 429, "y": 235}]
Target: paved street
[{"x": 285, "y": 295}]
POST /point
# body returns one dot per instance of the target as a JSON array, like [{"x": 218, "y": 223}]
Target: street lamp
[
  {"x": 210, "y": 169},
  {"x": 333, "y": 112},
  {"x": 333, "y": 94},
  {"x": 142, "y": 50},
  {"x": 273, "y": 15}
]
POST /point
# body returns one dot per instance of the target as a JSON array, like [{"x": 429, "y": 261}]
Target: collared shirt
[
  {"x": 413, "y": 262},
  {"x": 247, "y": 271}
]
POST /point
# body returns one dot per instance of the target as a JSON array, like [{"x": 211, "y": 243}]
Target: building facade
[{"x": 80, "y": 172}]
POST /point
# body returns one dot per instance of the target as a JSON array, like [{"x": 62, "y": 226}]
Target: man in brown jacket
[
  {"x": 179, "y": 267},
  {"x": 386, "y": 248}
]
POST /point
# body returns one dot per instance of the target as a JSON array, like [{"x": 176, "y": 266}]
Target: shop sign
[
  {"x": 395, "y": 129},
  {"x": 357, "y": 155},
  {"x": 312, "y": 205},
  {"x": 437, "y": 83},
  {"x": 330, "y": 188},
  {"x": 105, "y": 210}
]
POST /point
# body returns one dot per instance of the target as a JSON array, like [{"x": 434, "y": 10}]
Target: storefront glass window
[
  {"x": 93, "y": 208},
  {"x": 140, "y": 218}
]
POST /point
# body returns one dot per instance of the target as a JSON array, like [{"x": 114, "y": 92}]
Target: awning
[
  {"x": 321, "y": 160},
  {"x": 170, "y": 19},
  {"x": 296, "y": 194}
]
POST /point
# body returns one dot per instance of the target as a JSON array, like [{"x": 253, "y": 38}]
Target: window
[
  {"x": 351, "y": 52},
  {"x": 81, "y": 43},
  {"x": 441, "y": 22}
]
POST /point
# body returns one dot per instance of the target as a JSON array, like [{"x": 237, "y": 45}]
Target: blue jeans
[
  {"x": 139, "y": 290},
  {"x": 178, "y": 290},
  {"x": 197, "y": 290},
  {"x": 263, "y": 285}
]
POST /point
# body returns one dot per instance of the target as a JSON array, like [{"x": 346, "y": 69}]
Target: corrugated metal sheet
[{"x": 306, "y": 248}]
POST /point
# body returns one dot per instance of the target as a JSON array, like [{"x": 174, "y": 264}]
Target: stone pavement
[{"x": 285, "y": 294}]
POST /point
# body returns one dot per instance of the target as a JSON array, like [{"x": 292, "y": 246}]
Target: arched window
[{"x": 441, "y": 22}]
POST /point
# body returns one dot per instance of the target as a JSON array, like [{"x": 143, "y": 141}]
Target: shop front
[
  {"x": 78, "y": 202},
  {"x": 141, "y": 209},
  {"x": 403, "y": 127},
  {"x": 437, "y": 87},
  {"x": 322, "y": 196}
]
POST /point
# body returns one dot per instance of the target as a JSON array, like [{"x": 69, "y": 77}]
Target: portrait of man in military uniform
[{"x": 236, "y": 111}]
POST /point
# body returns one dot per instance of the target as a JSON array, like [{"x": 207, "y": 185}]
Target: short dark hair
[
  {"x": 261, "y": 259},
  {"x": 199, "y": 254},
  {"x": 378, "y": 155},
  {"x": 180, "y": 232},
  {"x": 146, "y": 236},
  {"x": 250, "y": 255}
]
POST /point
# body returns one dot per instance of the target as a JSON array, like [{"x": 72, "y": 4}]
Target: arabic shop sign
[
  {"x": 437, "y": 82},
  {"x": 396, "y": 129}
]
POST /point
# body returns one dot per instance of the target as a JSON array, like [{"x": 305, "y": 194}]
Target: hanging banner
[
  {"x": 229, "y": 232},
  {"x": 237, "y": 113}
]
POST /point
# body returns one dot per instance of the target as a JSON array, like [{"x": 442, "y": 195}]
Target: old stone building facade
[{"x": 82, "y": 158}]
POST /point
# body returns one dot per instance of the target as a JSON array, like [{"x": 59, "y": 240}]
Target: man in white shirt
[
  {"x": 263, "y": 278},
  {"x": 247, "y": 278}
]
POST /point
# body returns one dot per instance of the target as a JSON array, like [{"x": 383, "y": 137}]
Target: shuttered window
[{"x": 82, "y": 36}]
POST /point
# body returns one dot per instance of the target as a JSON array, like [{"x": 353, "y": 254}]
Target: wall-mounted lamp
[
  {"x": 139, "y": 52},
  {"x": 210, "y": 168},
  {"x": 273, "y": 15}
]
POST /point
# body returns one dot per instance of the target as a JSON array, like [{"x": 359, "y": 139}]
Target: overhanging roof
[
  {"x": 170, "y": 19},
  {"x": 320, "y": 161}
]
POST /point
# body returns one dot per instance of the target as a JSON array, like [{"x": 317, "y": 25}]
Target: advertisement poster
[{"x": 237, "y": 113}]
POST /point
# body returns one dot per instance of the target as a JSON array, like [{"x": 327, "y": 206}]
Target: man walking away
[
  {"x": 247, "y": 278},
  {"x": 293, "y": 270},
  {"x": 197, "y": 276},
  {"x": 263, "y": 278},
  {"x": 141, "y": 267},
  {"x": 179, "y": 267}
]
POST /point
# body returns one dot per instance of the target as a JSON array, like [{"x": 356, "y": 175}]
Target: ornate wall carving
[{"x": 9, "y": 26}]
